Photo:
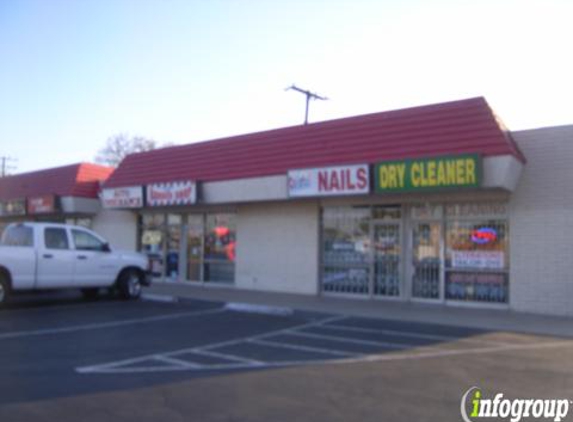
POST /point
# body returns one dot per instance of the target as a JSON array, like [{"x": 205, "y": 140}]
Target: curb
[{"x": 259, "y": 309}]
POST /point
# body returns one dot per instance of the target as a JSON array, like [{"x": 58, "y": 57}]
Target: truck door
[
  {"x": 94, "y": 264},
  {"x": 55, "y": 259}
]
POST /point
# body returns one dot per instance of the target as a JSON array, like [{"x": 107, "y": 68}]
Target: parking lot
[{"x": 190, "y": 359}]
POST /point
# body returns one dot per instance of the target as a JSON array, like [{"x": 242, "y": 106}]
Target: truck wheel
[
  {"x": 4, "y": 289},
  {"x": 90, "y": 293},
  {"x": 129, "y": 285}
]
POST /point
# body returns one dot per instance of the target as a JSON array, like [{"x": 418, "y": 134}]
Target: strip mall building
[{"x": 436, "y": 204}]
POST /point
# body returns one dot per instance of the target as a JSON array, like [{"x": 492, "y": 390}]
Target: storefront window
[
  {"x": 219, "y": 248},
  {"x": 152, "y": 238},
  {"x": 386, "y": 212},
  {"x": 346, "y": 250},
  {"x": 426, "y": 260},
  {"x": 173, "y": 243},
  {"x": 387, "y": 258},
  {"x": 195, "y": 225},
  {"x": 477, "y": 254},
  {"x": 194, "y": 247},
  {"x": 455, "y": 252}
]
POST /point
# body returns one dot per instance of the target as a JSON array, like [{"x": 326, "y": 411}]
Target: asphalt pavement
[{"x": 62, "y": 358}]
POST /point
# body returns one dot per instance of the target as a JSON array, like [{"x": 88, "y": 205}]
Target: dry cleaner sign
[{"x": 455, "y": 171}]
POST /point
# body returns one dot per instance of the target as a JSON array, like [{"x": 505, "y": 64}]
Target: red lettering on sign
[
  {"x": 349, "y": 184},
  {"x": 362, "y": 178},
  {"x": 334, "y": 182},
  {"x": 322, "y": 181}
]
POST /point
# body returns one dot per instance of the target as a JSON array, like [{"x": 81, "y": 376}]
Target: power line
[{"x": 309, "y": 95}]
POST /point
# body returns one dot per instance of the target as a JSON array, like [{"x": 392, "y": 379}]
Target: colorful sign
[
  {"x": 484, "y": 235},
  {"x": 128, "y": 197},
  {"x": 173, "y": 193},
  {"x": 13, "y": 207},
  {"x": 45, "y": 204},
  {"x": 458, "y": 171},
  {"x": 329, "y": 181},
  {"x": 491, "y": 260}
]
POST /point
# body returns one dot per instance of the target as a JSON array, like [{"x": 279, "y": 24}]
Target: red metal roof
[
  {"x": 79, "y": 180},
  {"x": 448, "y": 128}
]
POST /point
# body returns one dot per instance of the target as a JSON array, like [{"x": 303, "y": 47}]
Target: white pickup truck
[{"x": 37, "y": 256}]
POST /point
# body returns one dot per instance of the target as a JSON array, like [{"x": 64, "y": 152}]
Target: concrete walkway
[{"x": 498, "y": 320}]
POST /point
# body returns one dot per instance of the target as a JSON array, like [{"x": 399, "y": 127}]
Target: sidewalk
[{"x": 498, "y": 320}]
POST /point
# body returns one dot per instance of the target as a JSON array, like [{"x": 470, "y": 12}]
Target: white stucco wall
[
  {"x": 277, "y": 247},
  {"x": 541, "y": 224},
  {"x": 118, "y": 227}
]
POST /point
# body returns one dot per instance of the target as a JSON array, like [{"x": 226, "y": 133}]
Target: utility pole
[
  {"x": 5, "y": 167},
  {"x": 309, "y": 96}
]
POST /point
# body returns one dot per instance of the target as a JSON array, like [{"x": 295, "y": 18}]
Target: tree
[{"x": 120, "y": 145}]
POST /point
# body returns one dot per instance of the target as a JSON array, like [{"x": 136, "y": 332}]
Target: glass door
[
  {"x": 387, "y": 251},
  {"x": 194, "y": 247},
  {"x": 173, "y": 246},
  {"x": 426, "y": 260}
]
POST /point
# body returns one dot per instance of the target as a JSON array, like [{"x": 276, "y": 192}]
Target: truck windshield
[{"x": 17, "y": 236}]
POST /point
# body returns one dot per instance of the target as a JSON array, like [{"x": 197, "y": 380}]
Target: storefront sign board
[
  {"x": 172, "y": 193},
  {"x": 456, "y": 171},
  {"x": 477, "y": 210},
  {"x": 13, "y": 207},
  {"x": 45, "y": 204},
  {"x": 490, "y": 260},
  {"x": 329, "y": 181},
  {"x": 127, "y": 197}
]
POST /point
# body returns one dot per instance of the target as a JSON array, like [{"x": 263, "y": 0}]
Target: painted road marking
[
  {"x": 438, "y": 353},
  {"x": 153, "y": 297},
  {"x": 301, "y": 348},
  {"x": 111, "y": 324},
  {"x": 227, "y": 356},
  {"x": 410, "y": 334},
  {"x": 177, "y": 362},
  {"x": 206, "y": 350},
  {"x": 389, "y": 345},
  {"x": 395, "y": 356},
  {"x": 174, "y": 361}
]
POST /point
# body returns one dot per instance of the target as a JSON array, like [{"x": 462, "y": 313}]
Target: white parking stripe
[
  {"x": 177, "y": 362},
  {"x": 410, "y": 334},
  {"x": 171, "y": 362},
  {"x": 204, "y": 349},
  {"x": 301, "y": 348},
  {"x": 111, "y": 324},
  {"x": 226, "y": 356},
  {"x": 388, "y": 345}
]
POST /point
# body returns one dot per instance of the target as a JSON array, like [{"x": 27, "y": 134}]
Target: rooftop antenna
[
  {"x": 309, "y": 96},
  {"x": 5, "y": 165}
]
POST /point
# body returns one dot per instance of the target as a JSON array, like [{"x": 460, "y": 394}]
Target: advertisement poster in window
[
  {"x": 13, "y": 207},
  {"x": 490, "y": 260}
]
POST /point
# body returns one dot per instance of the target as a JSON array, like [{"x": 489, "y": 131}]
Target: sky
[{"x": 75, "y": 72}]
